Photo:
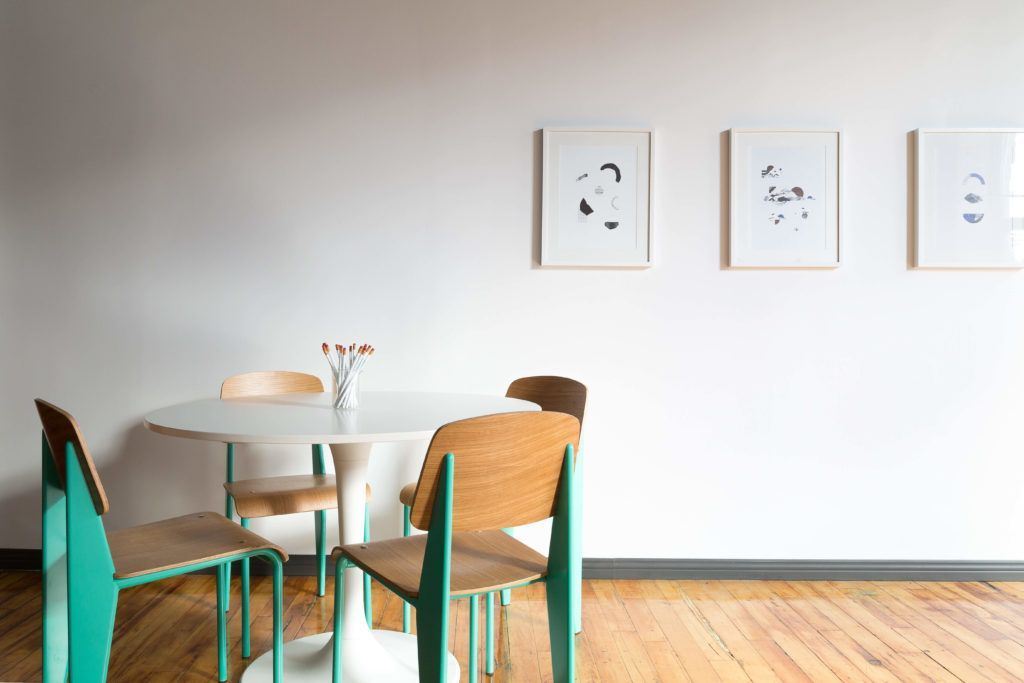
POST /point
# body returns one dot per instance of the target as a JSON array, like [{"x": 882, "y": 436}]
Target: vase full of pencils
[
  {"x": 346, "y": 396},
  {"x": 346, "y": 366}
]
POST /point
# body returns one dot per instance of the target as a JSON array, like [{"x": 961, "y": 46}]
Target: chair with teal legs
[
  {"x": 283, "y": 495},
  {"x": 84, "y": 567},
  {"x": 558, "y": 394},
  {"x": 480, "y": 476}
]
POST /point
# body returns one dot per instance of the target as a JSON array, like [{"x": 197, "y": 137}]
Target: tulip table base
[
  {"x": 367, "y": 656},
  {"x": 373, "y": 656}
]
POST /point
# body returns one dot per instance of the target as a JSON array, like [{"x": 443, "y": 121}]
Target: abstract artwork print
[
  {"x": 596, "y": 197},
  {"x": 784, "y": 199},
  {"x": 970, "y": 198},
  {"x": 603, "y": 178}
]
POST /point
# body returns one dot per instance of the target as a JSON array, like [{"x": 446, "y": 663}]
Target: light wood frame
[
  {"x": 549, "y": 256},
  {"x": 917, "y": 200},
  {"x": 835, "y": 258}
]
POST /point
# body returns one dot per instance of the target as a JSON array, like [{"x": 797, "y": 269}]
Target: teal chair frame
[
  {"x": 434, "y": 594},
  {"x": 506, "y": 594},
  {"x": 320, "y": 531},
  {"x": 79, "y": 589},
  {"x": 569, "y": 398}
]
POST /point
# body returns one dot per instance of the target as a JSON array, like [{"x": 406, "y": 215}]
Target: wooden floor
[{"x": 633, "y": 630}]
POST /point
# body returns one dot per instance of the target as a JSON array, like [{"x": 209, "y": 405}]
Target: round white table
[{"x": 368, "y": 656}]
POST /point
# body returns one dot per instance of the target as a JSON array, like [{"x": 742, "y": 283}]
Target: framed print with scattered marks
[
  {"x": 596, "y": 197},
  {"x": 784, "y": 198}
]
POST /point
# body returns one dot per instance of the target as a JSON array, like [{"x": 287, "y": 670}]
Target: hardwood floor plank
[
  {"x": 523, "y": 662},
  {"x": 599, "y": 635},
  {"x": 755, "y": 666},
  {"x": 691, "y": 653},
  {"x": 633, "y": 630},
  {"x": 879, "y": 652},
  {"x": 810, "y": 662},
  {"x": 637, "y": 662},
  {"x": 587, "y": 670},
  {"x": 976, "y": 636},
  {"x": 933, "y": 627}
]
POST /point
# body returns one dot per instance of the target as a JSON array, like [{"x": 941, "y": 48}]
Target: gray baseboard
[
  {"x": 19, "y": 559},
  {"x": 803, "y": 570}
]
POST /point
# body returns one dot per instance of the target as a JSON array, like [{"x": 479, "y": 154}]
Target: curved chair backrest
[
  {"x": 270, "y": 383},
  {"x": 60, "y": 428},
  {"x": 507, "y": 469},
  {"x": 559, "y": 394}
]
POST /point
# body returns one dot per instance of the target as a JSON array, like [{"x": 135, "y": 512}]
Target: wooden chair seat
[
  {"x": 407, "y": 494},
  {"x": 285, "y": 495},
  {"x": 181, "y": 541},
  {"x": 482, "y": 561}
]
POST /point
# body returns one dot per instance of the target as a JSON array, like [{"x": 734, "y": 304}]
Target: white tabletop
[{"x": 310, "y": 418}]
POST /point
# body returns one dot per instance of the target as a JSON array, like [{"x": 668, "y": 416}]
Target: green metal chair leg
[
  {"x": 222, "y": 640},
  {"x": 577, "y": 546},
  {"x": 489, "y": 634},
  {"x": 506, "y": 595},
  {"x": 229, "y": 476},
  {"x": 91, "y": 631},
  {"x": 55, "y": 576},
  {"x": 561, "y": 575},
  {"x": 563, "y": 639},
  {"x": 432, "y": 650},
  {"x": 92, "y": 593},
  {"x": 339, "y": 623},
  {"x": 246, "y": 637},
  {"x": 406, "y": 609},
  {"x": 435, "y": 583},
  {"x": 320, "y": 524},
  {"x": 367, "y": 593},
  {"x": 474, "y": 645},
  {"x": 226, "y": 587},
  {"x": 278, "y": 617}
]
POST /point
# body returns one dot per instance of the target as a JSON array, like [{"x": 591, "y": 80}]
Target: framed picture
[
  {"x": 970, "y": 198},
  {"x": 784, "y": 198},
  {"x": 596, "y": 203}
]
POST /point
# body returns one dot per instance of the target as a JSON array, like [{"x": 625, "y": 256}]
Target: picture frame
[
  {"x": 785, "y": 196},
  {"x": 596, "y": 197},
  {"x": 969, "y": 198}
]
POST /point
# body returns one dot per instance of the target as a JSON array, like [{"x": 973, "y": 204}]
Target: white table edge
[{"x": 295, "y": 439}]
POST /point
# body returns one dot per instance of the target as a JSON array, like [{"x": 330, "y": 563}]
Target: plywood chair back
[
  {"x": 507, "y": 469},
  {"x": 558, "y": 394},
  {"x": 60, "y": 429},
  {"x": 270, "y": 383}
]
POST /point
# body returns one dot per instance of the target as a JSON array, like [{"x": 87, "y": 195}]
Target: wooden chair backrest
[
  {"x": 507, "y": 469},
  {"x": 560, "y": 394},
  {"x": 270, "y": 383},
  {"x": 60, "y": 428}
]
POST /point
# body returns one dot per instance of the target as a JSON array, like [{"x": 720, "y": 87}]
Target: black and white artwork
[
  {"x": 970, "y": 198},
  {"x": 596, "y": 186},
  {"x": 784, "y": 203},
  {"x": 605, "y": 213}
]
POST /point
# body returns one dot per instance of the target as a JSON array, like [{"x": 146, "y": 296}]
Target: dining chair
[
  {"x": 558, "y": 394},
  {"x": 480, "y": 476},
  {"x": 283, "y": 495},
  {"x": 85, "y": 567}
]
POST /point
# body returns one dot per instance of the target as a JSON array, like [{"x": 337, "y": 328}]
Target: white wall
[{"x": 193, "y": 189}]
